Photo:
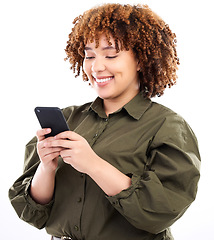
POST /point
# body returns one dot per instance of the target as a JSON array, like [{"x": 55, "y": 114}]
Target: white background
[{"x": 33, "y": 35}]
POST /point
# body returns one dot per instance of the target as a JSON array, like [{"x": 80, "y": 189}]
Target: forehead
[{"x": 103, "y": 43}]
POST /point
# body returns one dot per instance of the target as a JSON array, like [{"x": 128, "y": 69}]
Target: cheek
[
  {"x": 84, "y": 66},
  {"x": 87, "y": 67}
]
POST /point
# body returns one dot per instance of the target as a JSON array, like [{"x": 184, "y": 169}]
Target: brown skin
[
  {"x": 75, "y": 151},
  {"x": 156, "y": 50},
  {"x": 154, "y": 60},
  {"x": 119, "y": 71}
]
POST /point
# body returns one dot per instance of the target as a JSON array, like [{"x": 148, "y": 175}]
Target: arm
[
  {"x": 109, "y": 178},
  {"x": 31, "y": 194},
  {"x": 19, "y": 194},
  {"x": 42, "y": 186},
  {"x": 77, "y": 152},
  {"x": 161, "y": 192}
]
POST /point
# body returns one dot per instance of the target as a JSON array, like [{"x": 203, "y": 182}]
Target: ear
[{"x": 138, "y": 66}]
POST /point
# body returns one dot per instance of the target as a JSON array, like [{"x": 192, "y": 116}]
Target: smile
[{"x": 103, "y": 80}]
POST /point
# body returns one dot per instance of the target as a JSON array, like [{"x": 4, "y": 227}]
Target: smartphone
[{"x": 51, "y": 117}]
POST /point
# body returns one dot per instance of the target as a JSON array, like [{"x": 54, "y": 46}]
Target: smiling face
[{"x": 113, "y": 75}]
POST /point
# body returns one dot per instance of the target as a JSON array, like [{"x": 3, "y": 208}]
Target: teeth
[{"x": 103, "y": 80}]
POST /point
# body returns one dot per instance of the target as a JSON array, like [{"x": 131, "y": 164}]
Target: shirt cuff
[
  {"x": 33, "y": 203},
  {"x": 114, "y": 200}
]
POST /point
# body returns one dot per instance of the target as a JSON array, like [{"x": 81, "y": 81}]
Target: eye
[
  {"x": 111, "y": 57},
  {"x": 88, "y": 58}
]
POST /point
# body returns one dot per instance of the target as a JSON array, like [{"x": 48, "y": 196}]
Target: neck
[{"x": 112, "y": 105}]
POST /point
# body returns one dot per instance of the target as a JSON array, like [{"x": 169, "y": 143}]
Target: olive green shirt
[{"x": 146, "y": 141}]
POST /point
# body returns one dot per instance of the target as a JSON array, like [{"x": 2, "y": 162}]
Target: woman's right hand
[
  {"x": 48, "y": 155},
  {"x": 43, "y": 182}
]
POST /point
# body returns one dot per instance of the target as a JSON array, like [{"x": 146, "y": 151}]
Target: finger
[
  {"x": 67, "y": 157},
  {"x": 59, "y": 143},
  {"x": 44, "y": 148},
  {"x": 50, "y": 157},
  {"x": 43, "y": 143},
  {"x": 48, "y": 154},
  {"x": 51, "y": 150},
  {"x": 42, "y": 132},
  {"x": 68, "y": 135},
  {"x": 66, "y": 153}
]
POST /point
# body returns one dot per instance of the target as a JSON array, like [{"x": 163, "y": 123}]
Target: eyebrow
[{"x": 105, "y": 48}]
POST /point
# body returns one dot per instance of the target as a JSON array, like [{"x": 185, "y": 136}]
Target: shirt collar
[{"x": 135, "y": 108}]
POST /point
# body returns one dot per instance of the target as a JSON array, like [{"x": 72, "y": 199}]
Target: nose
[{"x": 98, "y": 65}]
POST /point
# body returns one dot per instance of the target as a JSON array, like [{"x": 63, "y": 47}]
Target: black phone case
[{"x": 51, "y": 117}]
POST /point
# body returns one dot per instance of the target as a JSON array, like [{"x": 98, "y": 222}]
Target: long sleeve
[
  {"x": 162, "y": 193},
  {"x": 144, "y": 140},
  {"x": 26, "y": 208}
]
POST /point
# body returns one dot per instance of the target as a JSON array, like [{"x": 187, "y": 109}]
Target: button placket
[
  {"x": 79, "y": 202},
  {"x": 101, "y": 129}
]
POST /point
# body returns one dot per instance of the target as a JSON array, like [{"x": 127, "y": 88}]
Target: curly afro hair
[{"x": 132, "y": 27}]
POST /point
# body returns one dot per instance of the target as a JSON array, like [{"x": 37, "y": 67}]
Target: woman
[{"x": 129, "y": 167}]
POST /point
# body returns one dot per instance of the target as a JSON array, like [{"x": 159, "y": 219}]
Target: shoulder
[
  {"x": 172, "y": 126},
  {"x": 163, "y": 110},
  {"x": 158, "y": 114},
  {"x": 163, "y": 113}
]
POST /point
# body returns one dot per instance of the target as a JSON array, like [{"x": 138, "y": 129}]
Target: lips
[{"x": 102, "y": 80}]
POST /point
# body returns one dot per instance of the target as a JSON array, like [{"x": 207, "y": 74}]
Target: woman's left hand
[{"x": 76, "y": 151}]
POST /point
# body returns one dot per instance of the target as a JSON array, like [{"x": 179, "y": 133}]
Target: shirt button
[
  {"x": 96, "y": 135},
  {"x": 79, "y": 200},
  {"x": 76, "y": 228},
  {"x": 115, "y": 202}
]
